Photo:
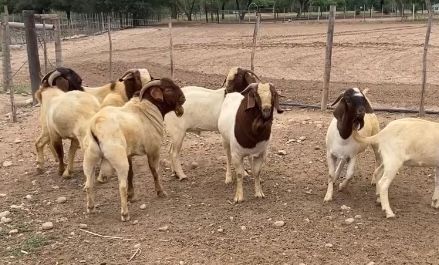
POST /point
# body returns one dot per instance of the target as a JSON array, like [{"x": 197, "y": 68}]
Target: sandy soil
[{"x": 203, "y": 226}]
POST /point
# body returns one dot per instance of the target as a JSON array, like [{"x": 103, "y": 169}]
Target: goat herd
[{"x": 128, "y": 117}]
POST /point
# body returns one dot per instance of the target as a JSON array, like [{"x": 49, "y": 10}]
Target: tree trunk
[
  {"x": 174, "y": 10},
  {"x": 222, "y": 9}
]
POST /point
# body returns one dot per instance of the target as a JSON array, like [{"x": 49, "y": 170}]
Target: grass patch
[
  {"x": 18, "y": 89},
  {"x": 30, "y": 245}
]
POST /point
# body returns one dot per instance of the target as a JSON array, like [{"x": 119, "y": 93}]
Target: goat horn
[
  {"x": 130, "y": 71},
  {"x": 53, "y": 76},
  {"x": 148, "y": 85},
  {"x": 47, "y": 76},
  {"x": 338, "y": 99},
  {"x": 249, "y": 87},
  {"x": 253, "y": 73}
]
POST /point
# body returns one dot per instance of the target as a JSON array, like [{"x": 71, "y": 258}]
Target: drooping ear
[
  {"x": 156, "y": 93},
  {"x": 251, "y": 102},
  {"x": 62, "y": 84},
  {"x": 276, "y": 99},
  {"x": 338, "y": 99},
  {"x": 127, "y": 75},
  {"x": 340, "y": 109}
]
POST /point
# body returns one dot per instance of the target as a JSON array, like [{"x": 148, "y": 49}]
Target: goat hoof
[
  {"x": 390, "y": 215},
  {"x": 124, "y": 217},
  {"x": 162, "y": 194},
  {"x": 40, "y": 170},
  {"x": 238, "y": 198},
  {"x": 182, "y": 178},
  {"x": 259, "y": 195},
  {"x": 102, "y": 179},
  {"x": 247, "y": 173},
  {"x": 435, "y": 203},
  {"x": 378, "y": 201},
  {"x": 91, "y": 209},
  {"x": 131, "y": 198}
]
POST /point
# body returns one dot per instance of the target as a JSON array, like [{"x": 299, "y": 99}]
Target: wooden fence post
[
  {"x": 32, "y": 51},
  {"x": 58, "y": 48},
  {"x": 44, "y": 46},
  {"x": 328, "y": 57},
  {"x": 7, "y": 73},
  {"x": 110, "y": 70},
  {"x": 424, "y": 58},
  {"x": 255, "y": 35},
  {"x": 171, "y": 49}
]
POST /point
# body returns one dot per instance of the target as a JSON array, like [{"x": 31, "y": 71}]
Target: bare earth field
[{"x": 204, "y": 227}]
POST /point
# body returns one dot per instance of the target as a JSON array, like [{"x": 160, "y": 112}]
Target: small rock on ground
[
  {"x": 328, "y": 245},
  {"x": 279, "y": 223},
  {"x": 5, "y": 220},
  {"x": 47, "y": 226},
  {"x": 243, "y": 228},
  {"x": 143, "y": 206},
  {"x": 7, "y": 163},
  {"x": 345, "y": 208},
  {"x": 357, "y": 216},
  {"x": 61, "y": 199},
  {"x": 4, "y": 214},
  {"x": 371, "y": 263},
  {"x": 349, "y": 221},
  {"x": 282, "y": 152},
  {"x": 29, "y": 197},
  {"x": 221, "y": 230},
  {"x": 164, "y": 228},
  {"x": 83, "y": 226},
  {"x": 13, "y": 232},
  {"x": 194, "y": 165}
]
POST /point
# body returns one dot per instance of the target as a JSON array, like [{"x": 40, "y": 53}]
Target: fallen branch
[
  {"x": 135, "y": 254},
  {"x": 110, "y": 237}
]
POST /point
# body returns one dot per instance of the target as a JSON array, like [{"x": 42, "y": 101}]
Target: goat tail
[
  {"x": 364, "y": 140},
  {"x": 93, "y": 134}
]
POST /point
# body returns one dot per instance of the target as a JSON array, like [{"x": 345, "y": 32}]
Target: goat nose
[{"x": 266, "y": 112}]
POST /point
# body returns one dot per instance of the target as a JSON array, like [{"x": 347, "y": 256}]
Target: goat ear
[
  {"x": 62, "y": 83},
  {"x": 367, "y": 105},
  {"x": 340, "y": 110},
  {"x": 276, "y": 99},
  {"x": 251, "y": 103},
  {"x": 156, "y": 93},
  {"x": 338, "y": 99}
]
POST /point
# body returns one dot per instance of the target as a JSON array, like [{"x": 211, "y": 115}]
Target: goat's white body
[
  {"x": 201, "y": 111},
  {"x": 345, "y": 150},
  {"x": 409, "y": 142},
  {"x": 234, "y": 151}
]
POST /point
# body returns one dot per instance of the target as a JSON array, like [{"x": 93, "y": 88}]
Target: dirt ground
[{"x": 204, "y": 227}]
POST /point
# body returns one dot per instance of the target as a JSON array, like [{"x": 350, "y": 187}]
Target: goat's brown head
[
  {"x": 264, "y": 97},
  {"x": 350, "y": 111},
  {"x": 64, "y": 78},
  {"x": 165, "y": 94},
  {"x": 134, "y": 80},
  {"x": 238, "y": 79}
]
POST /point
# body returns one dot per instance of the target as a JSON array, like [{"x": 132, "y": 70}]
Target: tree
[
  {"x": 244, "y": 4},
  {"x": 187, "y": 6}
]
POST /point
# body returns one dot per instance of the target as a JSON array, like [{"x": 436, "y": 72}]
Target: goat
[
  {"x": 202, "y": 109},
  {"x": 53, "y": 85},
  {"x": 77, "y": 108},
  {"x": 245, "y": 125},
  {"x": 405, "y": 142},
  {"x": 353, "y": 111},
  {"x": 118, "y": 133}
]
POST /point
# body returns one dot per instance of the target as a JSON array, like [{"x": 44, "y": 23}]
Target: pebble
[
  {"x": 17, "y": 141},
  {"x": 371, "y": 263},
  {"x": 317, "y": 147},
  {"x": 328, "y": 245},
  {"x": 357, "y": 216},
  {"x": 221, "y": 230},
  {"x": 72, "y": 233},
  {"x": 143, "y": 206},
  {"x": 302, "y": 263},
  {"x": 345, "y": 208},
  {"x": 13, "y": 206},
  {"x": 282, "y": 152},
  {"x": 7, "y": 163},
  {"x": 83, "y": 226},
  {"x": 47, "y": 226},
  {"x": 302, "y": 138},
  {"x": 279, "y": 223},
  {"x": 4, "y": 214},
  {"x": 194, "y": 165},
  {"x": 2, "y": 194},
  {"x": 135, "y": 222},
  {"x": 349, "y": 221},
  {"x": 5, "y": 220},
  {"x": 137, "y": 245},
  {"x": 243, "y": 228},
  {"x": 55, "y": 187},
  {"x": 34, "y": 182},
  {"x": 28, "y": 197},
  {"x": 164, "y": 228},
  {"x": 13, "y": 232},
  {"x": 181, "y": 262},
  {"x": 61, "y": 199}
]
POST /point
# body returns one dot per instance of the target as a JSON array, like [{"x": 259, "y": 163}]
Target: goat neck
[{"x": 250, "y": 127}]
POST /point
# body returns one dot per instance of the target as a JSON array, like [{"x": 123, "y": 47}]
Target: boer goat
[
  {"x": 118, "y": 133},
  {"x": 353, "y": 111},
  {"x": 405, "y": 142},
  {"x": 245, "y": 125},
  {"x": 202, "y": 109}
]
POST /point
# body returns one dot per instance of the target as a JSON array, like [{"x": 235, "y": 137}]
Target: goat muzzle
[
  {"x": 179, "y": 110},
  {"x": 266, "y": 113}
]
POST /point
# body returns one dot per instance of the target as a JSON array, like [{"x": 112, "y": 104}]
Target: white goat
[
  {"x": 245, "y": 126},
  {"x": 202, "y": 109},
  {"x": 118, "y": 133},
  {"x": 404, "y": 142},
  {"x": 354, "y": 110}
]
